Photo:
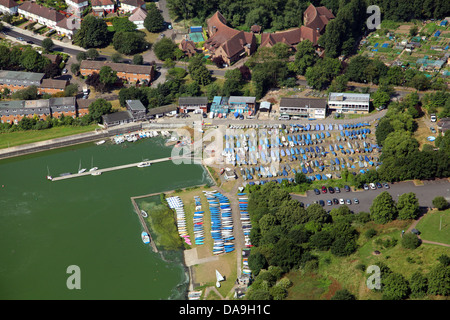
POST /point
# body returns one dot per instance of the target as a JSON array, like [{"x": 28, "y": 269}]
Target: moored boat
[{"x": 145, "y": 237}]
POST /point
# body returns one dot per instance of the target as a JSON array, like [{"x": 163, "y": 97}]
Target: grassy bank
[{"x": 12, "y": 139}]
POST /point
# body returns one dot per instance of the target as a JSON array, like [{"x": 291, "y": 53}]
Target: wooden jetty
[
  {"x": 125, "y": 166},
  {"x": 144, "y": 224}
]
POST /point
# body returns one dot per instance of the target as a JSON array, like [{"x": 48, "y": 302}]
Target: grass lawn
[
  {"x": 17, "y": 138},
  {"x": 435, "y": 226}
]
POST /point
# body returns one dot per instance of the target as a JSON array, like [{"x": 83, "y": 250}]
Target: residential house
[
  {"x": 188, "y": 47},
  {"x": 129, "y": 72},
  {"x": 226, "y": 42},
  {"x": 102, "y": 7},
  {"x": 117, "y": 118},
  {"x": 76, "y": 6},
  {"x": 349, "y": 102},
  {"x": 195, "y": 104},
  {"x": 46, "y": 16},
  {"x": 68, "y": 26},
  {"x": 303, "y": 107},
  {"x": 63, "y": 106},
  {"x": 131, "y": 5},
  {"x": 52, "y": 86},
  {"x": 83, "y": 106},
  {"x": 443, "y": 125},
  {"x": 9, "y": 7},
  {"x": 315, "y": 20},
  {"x": 18, "y": 80},
  {"x": 158, "y": 112},
  {"x": 137, "y": 109},
  {"x": 138, "y": 17}
]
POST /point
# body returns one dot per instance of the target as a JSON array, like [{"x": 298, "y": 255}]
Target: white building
[
  {"x": 131, "y": 5},
  {"x": 102, "y": 7},
  {"x": 40, "y": 14},
  {"x": 137, "y": 17},
  {"x": 77, "y": 6},
  {"x": 349, "y": 102},
  {"x": 68, "y": 26},
  {"x": 9, "y": 6},
  {"x": 303, "y": 108}
]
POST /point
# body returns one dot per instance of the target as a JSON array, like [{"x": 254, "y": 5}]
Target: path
[{"x": 413, "y": 226}]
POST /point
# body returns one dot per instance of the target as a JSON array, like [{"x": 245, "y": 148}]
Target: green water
[{"x": 87, "y": 221}]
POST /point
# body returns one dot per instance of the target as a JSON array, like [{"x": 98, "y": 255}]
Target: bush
[
  {"x": 440, "y": 203},
  {"x": 410, "y": 241},
  {"x": 370, "y": 233}
]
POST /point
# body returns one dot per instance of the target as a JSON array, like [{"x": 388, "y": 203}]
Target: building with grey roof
[
  {"x": 137, "y": 109},
  {"x": 195, "y": 104},
  {"x": 349, "y": 102},
  {"x": 20, "y": 79},
  {"x": 303, "y": 107}
]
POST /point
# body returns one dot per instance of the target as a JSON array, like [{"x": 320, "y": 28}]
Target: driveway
[{"x": 425, "y": 193}]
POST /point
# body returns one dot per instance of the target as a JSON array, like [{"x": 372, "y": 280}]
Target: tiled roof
[
  {"x": 8, "y": 3},
  {"x": 138, "y": 14},
  {"x": 101, "y": 3},
  {"x": 317, "y": 18},
  {"x": 53, "y": 84},
  {"x": 41, "y": 11},
  {"x": 118, "y": 67},
  {"x": 134, "y": 3}
]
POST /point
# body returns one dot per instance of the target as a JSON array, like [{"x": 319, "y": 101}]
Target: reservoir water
[{"x": 88, "y": 222}]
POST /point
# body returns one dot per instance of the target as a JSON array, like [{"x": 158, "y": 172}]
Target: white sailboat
[
  {"x": 80, "y": 170},
  {"x": 219, "y": 278}
]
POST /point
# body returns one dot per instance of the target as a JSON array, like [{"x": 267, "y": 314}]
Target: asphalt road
[{"x": 425, "y": 193}]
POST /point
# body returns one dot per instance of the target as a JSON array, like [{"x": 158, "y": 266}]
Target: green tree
[
  {"x": 165, "y": 49},
  {"x": 92, "y": 54},
  {"x": 138, "y": 59},
  {"x": 418, "y": 284},
  {"x": 410, "y": 241},
  {"x": 93, "y": 33},
  {"x": 380, "y": 98},
  {"x": 107, "y": 76},
  {"x": 322, "y": 73},
  {"x": 439, "y": 280},
  {"x": 154, "y": 21},
  {"x": 98, "y": 108},
  {"x": 305, "y": 57},
  {"x": 33, "y": 61},
  {"x": 408, "y": 206},
  {"x": 123, "y": 24},
  {"x": 343, "y": 294},
  {"x": 47, "y": 44},
  {"x": 383, "y": 209},
  {"x": 129, "y": 42},
  {"x": 440, "y": 203},
  {"x": 395, "y": 287}
]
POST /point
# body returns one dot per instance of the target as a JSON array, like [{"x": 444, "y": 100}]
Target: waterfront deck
[{"x": 125, "y": 166}]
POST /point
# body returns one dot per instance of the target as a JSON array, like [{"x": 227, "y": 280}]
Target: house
[
  {"x": 264, "y": 106},
  {"x": 83, "y": 106},
  {"x": 52, "y": 86},
  {"x": 158, "y": 112},
  {"x": 42, "y": 15},
  {"x": 443, "y": 125},
  {"x": 242, "y": 104},
  {"x": 117, "y": 118},
  {"x": 76, "y": 6},
  {"x": 195, "y": 104},
  {"x": 68, "y": 26},
  {"x": 303, "y": 107},
  {"x": 14, "y": 111},
  {"x": 54, "y": 58},
  {"x": 137, "y": 109},
  {"x": 102, "y": 7},
  {"x": 128, "y": 72},
  {"x": 226, "y": 42},
  {"x": 137, "y": 17},
  {"x": 188, "y": 47},
  {"x": 349, "y": 102},
  {"x": 315, "y": 20},
  {"x": 9, "y": 7},
  {"x": 131, "y": 5},
  {"x": 18, "y": 80}
]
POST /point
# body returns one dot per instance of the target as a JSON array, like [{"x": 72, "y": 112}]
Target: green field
[
  {"x": 17, "y": 138},
  {"x": 435, "y": 226}
]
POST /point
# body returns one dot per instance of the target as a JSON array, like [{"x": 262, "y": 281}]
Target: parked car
[
  {"x": 356, "y": 201},
  {"x": 379, "y": 186},
  {"x": 433, "y": 117},
  {"x": 341, "y": 201},
  {"x": 329, "y": 202},
  {"x": 433, "y": 130},
  {"x": 335, "y": 201},
  {"x": 348, "y": 201},
  {"x": 20, "y": 38},
  {"x": 337, "y": 190},
  {"x": 316, "y": 191},
  {"x": 324, "y": 189},
  {"x": 30, "y": 42},
  {"x": 366, "y": 187},
  {"x": 64, "y": 71},
  {"x": 347, "y": 188},
  {"x": 386, "y": 185},
  {"x": 330, "y": 189},
  {"x": 372, "y": 186},
  {"x": 322, "y": 203}
]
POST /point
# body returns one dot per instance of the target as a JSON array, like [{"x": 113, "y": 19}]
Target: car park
[
  {"x": 341, "y": 201},
  {"x": 330, "y": 189}
]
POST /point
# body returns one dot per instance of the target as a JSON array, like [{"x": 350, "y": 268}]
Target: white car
[
  {"x": 372, "y": 186},
  {"x": 341, "y": 201}
]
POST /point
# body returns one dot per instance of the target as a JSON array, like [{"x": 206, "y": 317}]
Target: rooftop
[
  {"x": 303, "y": 102},
  {"x": 238, "y": 99},
  {"x": 136, "y": 105},
  {"x": 21, "y": 75},
  {"x": 350, "y": 97},
  {"x": 118, "y": 67},
  {"x": 192, "y": 100}
]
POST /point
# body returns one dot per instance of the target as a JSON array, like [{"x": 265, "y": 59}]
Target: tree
[
  {"x": 256, "y": 262},
  {"x": 29, "y": 93},
  {"x": 198, "y": 70},
  {"x": 418, "y": 285},
  {"x": 93, "y": 33},
  {"x": 154, "y": 21},
  {"x": 129, "y": 42},
  {"x": 343, "y": 294},
  {"x": 47, "y": 44},
  {"x": 408, "y": 206},
  {"x": 81, "y": 56},
  {"x": 165, "y": 49},
  {"x": 439, "y": 280},
  {"x": 410, "y": 241},
  {"x": 305, "y": 57},
  {"x": 380, "y": 98},
  {"x": 440, "y": 203},
  {"x": 75, "y": 68},
  {"x": 383, "y": 209},
  {"x": 116, "y": 57},
  {"x": 71, "y": 90},
  {"x": 138, "y": 59},
  {"x": 108, "y": 76},
  {"x": 52, "y": 70},
  {"x": 395, "y": 287},
  {"x": 322, "y": 73},
  {"x": 92, "y": 54},
  {"x": 123, "y": 24},
  {"x": 33, "y": 61},
  {"x": 98, "y": 108}
]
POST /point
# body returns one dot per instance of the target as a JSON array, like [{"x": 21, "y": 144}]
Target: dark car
[
  {"x": 322, "y": 203},
  {"x": 316, "y": 191},
  {"x": 337, "y": 189},
  {"x": 379, "y": 186},
  {"x": 302, "y": 204},
  {"x": 347, "y": 188},
  {"x": 330, "y": 189},
  {"x": 30, "y": 42},
  {"x": 324, "y": 189},
  {"x": 335, "y": 201}
]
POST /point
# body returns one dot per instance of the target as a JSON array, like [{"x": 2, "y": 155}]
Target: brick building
[{"x": 18, "y": 80}]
